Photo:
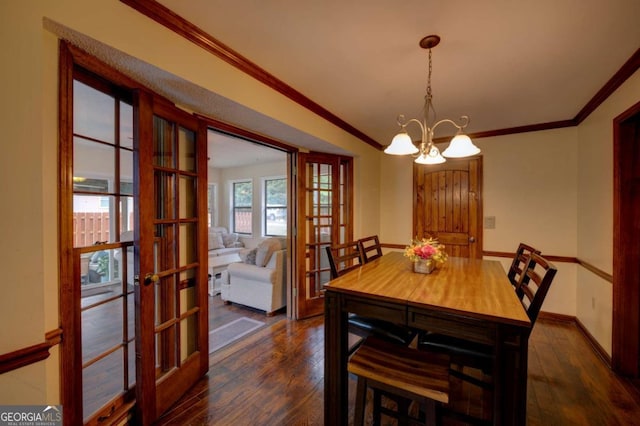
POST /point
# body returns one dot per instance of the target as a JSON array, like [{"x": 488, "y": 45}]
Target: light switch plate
[{"x": 490, "y": 222}]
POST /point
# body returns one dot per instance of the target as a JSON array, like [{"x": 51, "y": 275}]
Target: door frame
[{"x": 625, "y": 333}]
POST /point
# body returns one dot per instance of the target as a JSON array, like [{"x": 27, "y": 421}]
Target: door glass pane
[
  {"x": 127, "y": 216},
  {"x": 187, "y": 294},
  {"x": 99, "y": 333},
  {"x": 187, "y": 197},
  {"x": 188, "y": 336},
  {"x": 126, "y": 172},
  {"x": 163, "y": 138},
  {"x": 91, "y": 160},
  {"x": 91, "y": 220},
  {"x": 131, "y": 358},
  {"x": 93, "y": 113},
  {"x": 188, "y": 244},
  {"x": 102, "y": 382},
  {"x": 126, "y": 125},
  {"x": 165, "y": 290},
  {"x": 165, "y": 244},
  {"x": 165, "y": 195},
  {"x": 187, "y": 141},
  {"x": 166, "y": 349}
]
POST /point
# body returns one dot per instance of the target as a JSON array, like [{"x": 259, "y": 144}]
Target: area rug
[{"x": 229, "y": 333}]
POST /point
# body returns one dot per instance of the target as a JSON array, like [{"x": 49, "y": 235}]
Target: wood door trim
[{"x": 625, "y": 347}]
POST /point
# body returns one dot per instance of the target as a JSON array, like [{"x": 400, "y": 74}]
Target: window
[
  {"x": 242, "y": 203},
  {"x": 275, "y": 211}
]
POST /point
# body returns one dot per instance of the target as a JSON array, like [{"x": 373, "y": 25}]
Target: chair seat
[
  {"x": 384, "y": 330},
  {"x": 420, "y": 373},
  {"x": 405, "y": 375}
]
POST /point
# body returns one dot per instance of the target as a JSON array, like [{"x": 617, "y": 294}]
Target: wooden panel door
[
  {"x": 447, "y": 204},
  {"x": 324, "y": 197},
  {"x": 171, "y": 283}
]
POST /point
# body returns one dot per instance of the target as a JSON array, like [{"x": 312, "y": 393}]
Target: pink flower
[{"x": 425, "y": 251}]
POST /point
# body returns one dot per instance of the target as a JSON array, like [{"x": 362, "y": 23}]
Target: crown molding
[{"x": 164, "y": 16}]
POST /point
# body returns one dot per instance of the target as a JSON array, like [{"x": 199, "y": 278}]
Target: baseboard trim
[
  {"x": 598, "y": 349},
  {"x": 552, "y": 316}
]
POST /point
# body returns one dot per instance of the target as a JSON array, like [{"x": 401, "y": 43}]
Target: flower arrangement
[{"x": 425, "y": 249}]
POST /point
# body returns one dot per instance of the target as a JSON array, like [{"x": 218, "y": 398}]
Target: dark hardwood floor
[{"x": 275, "y": 377}]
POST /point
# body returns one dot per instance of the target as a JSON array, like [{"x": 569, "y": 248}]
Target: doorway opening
[{"x": 249, "y": 204}]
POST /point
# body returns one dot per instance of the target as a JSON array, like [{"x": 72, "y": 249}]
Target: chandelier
[{"x": 428, "y": 153}]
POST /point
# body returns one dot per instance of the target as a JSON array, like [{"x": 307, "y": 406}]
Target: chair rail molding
[{"x": 30, "y": 354}]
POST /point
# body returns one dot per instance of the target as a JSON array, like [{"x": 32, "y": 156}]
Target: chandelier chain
[{"x": 429, "y": 77}]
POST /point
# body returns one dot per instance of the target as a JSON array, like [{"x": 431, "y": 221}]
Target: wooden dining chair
[
  {"x": 519, "y": 263},
  {"x": 345, "y": 258},
  {"x": 532, "y": 288},
  {"x": 370, "y": 248},
  {"x": 403, "y": 373}
]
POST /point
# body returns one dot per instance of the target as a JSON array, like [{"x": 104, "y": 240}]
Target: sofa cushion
[
  {"x": 215, "y": 240},
  {"x": 229, "y": 240},
  {"x": 249, "y": 256},
  {"x": 267, "y": 248}
]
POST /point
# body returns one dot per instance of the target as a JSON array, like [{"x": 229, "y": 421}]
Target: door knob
[
  {"x": 151, "y": 278},
  {"x": 472, "y": 239}
]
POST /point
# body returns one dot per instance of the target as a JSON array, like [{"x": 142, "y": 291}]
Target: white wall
[
  {"x": 529, "y": 186},
  {"x": 595, "y": 202}
]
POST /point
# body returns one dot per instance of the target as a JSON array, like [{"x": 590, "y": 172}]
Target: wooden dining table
[{"x": 466, "y": 298}]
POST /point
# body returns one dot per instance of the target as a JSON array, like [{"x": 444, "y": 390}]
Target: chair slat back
[
  {"x": 519, "y": 264},
  {"x": 370, "y": 248},
  {"x": 534, "y": 284},
  {"x": 344, "y": 258}
]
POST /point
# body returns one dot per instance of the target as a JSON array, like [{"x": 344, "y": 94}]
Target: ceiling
[
  {"x": 503, "y": 63},
  {"x": 227, "y": 151}
]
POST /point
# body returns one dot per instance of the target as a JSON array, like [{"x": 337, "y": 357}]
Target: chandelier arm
[{"x": 464, "y": 119}]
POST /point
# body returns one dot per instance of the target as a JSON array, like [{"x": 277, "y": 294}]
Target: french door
[
  {"x": 171, "y": 282},
  {"x": 447, "y": 204},
  {"x": 325, "y": 199}
]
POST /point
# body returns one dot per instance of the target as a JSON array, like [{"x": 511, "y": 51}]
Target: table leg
[
  {"x": 510, "y": 375},
  {"x": 335, "y": 362}
]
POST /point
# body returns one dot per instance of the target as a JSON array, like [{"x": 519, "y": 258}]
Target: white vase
[{"x": 424, "y": 266}]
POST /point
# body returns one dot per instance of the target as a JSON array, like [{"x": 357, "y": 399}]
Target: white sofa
[
  {"x": 259, "y": 286},
  {"x": 222, "y": 242}
]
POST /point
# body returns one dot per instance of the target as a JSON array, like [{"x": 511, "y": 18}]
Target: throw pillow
[
  {"x": 215, "y": 241},
  {"x": 229, "y": 240},
  {"x": 266, "y": 249},
  {"x": 251, "y": 257}
]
